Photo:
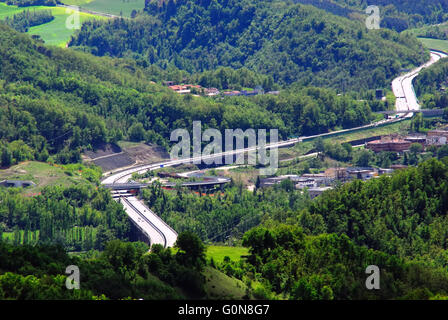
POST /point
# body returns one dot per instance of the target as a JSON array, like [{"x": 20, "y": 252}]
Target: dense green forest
[
  {"x": 227, "y": 213},
  {"x": 290, "y": 42},
  {"x": 430, "y": 85},
  {"x": 58, "y": 102},
  {"x": 403, "y": 215},
  {"x": 77, "y": 217},
  {"x": 26, "y": 19},
  {"x": 330, "y": 266},
  {"x": 122, "y": 271}
]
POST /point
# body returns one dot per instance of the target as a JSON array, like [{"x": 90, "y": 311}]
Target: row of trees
[
  {"x": 26, "y": 19},
  {"x": 78, "y": 217}
]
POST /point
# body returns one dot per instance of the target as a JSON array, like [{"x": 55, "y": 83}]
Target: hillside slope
[
  {"x": 57, "y": 101},
  {"x": 289, "y": 41}
]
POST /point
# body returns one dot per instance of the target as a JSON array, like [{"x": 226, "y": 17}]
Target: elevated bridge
[{"x": 425, "y": 112}]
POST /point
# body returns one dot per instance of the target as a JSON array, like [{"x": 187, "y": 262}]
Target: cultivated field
[
  {"x": 55, "y": 32},
  {"x": 435, "y": 44},
  {"x": 115, "y": 7}
]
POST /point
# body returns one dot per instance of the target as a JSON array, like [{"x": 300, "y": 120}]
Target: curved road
[
  {"x": 160, "y": 233},
  {"x": 404, "y": 90}
]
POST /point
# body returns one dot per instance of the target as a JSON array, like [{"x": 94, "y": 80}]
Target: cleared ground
[
  {"x": 44, "y": 174},
  {"x": 110, "y": 157}
]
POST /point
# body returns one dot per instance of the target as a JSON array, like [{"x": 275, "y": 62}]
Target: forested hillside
[
  {"x": 57, "y": 102},
  {"x": 331, "y": 266},
  {"x": 290, "y": 42},
  {"x": 403, "y": 215},
  {"x": 122, "y": 271},
  {"x": 430, "y": 85},
  {"x": 397, "y": 223},
  {"x": 396, "y": 14}
]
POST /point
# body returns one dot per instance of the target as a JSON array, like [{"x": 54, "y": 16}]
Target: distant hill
[
  {"x": 395, "y": 14},
  {"x": 291, "y": 42}
]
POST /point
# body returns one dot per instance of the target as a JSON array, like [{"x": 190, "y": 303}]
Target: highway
[
  {"x": 160, "y": 233},
  {"x": 404, "y": 90},
  {"x": 80, "y": 9}
]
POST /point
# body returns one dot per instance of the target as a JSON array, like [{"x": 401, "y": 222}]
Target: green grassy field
[
  {"x": 219, "y": 252},
  {"x": 109, "y": 6},
  {"x": 55, "y": 32},
  {"x": 44, "y": 174},
  {"x": 435, "y": 43}
]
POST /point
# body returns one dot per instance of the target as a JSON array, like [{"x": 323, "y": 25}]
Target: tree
[
  {"x": 191, "y": 250},
  {"x": 103, "y": 236},
  {"x": 363, "y": 157},
  {"x": 6, "y": 157},
  {"x": 416, "y": 148},
  {"x": 137, "y": 132},
  {"x": 442, "y": 152}
]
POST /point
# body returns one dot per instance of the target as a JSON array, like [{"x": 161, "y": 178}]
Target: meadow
[
  {"x": 116, "y": 7},
  {"x": 55, "y": 32},
  {"x": 219, "y": 252},
  {"x": 435, "y": 44}
]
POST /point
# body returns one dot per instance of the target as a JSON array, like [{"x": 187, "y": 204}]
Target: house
[
  {"x": 180, "y": 89},
  {"x": 389, "y": 143},
  {"x": 231, "y": 93},
  {"x": 314, "y": 192},
  {"x": 436, "y": 140},
  {"x": 417, "y": 139},
  {"x": 437, "y": 137},
  {"x": 183, "y": 89},
  {"x": 360, "y": 173},
  {"x": 303, "y": 183},
  {"x": 211, "y": 92},
  {"x": 16, "y": 184},
  {"x": 438, "y": 133},
  {"x": 321, "y": 179}
]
